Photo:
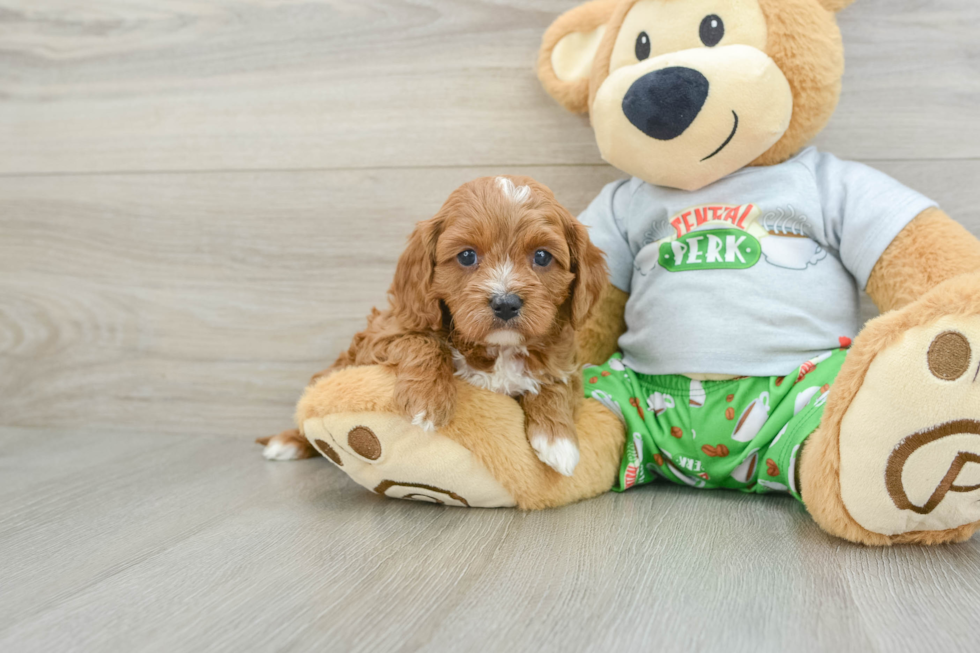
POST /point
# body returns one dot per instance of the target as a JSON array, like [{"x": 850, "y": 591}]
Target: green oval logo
[{"x": 711, "y": 249}]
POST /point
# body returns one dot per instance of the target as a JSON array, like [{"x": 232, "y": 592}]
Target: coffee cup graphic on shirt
[
  {"x": 646, "y": 261},
  {"x": 752, "y": 420},
  {"x": 648, "y": 258},
  {"x": 791, "y": 251},
  {"x": 786, "y": 243},
  {"x": 658, "y": 403}
]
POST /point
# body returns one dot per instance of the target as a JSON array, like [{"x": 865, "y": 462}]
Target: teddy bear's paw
[
  {"x": 910, "y": 440},
  {"x": 389, "y": 455}
]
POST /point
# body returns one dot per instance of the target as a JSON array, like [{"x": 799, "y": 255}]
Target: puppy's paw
[
  {"x": 288, "y": 445},
  {"x": 560, "y": 454},
  {"x": 428, "y": 406},
  {"x": 421, "y": 419}
]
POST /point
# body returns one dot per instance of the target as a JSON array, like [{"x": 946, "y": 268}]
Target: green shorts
[{"x": 743, "y": 434}]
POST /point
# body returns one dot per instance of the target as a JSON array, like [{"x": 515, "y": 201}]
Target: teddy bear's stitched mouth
[{"x": 727, "y": 141}]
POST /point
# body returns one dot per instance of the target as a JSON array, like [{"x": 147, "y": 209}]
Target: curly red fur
[{"x": 440, "y": 323}]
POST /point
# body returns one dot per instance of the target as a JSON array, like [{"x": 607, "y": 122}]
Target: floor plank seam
[{"x": 340, "y": 169}]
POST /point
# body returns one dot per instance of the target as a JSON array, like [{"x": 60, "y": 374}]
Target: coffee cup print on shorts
[
  {"x": 607, "y": 400},
  {"x": 746, "y": 470},
  {"x": 752, "y": 420},
  {"x": 698, "y": 395},
  {"x": 633, "y": 470},
  {"x": 658, "y": 403},
  {"x": 803, "y": 399}
]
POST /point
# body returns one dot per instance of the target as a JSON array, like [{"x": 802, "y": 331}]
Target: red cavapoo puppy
[{"x": 490, "y": 290}]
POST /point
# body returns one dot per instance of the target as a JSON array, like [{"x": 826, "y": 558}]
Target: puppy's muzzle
[
  {"x": 663, "y": 104},
  {"x": 506, "y": 307}
]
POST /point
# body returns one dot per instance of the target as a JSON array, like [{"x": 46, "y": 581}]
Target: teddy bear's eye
[
  {"x": 712, "y": 30},
  {"x": 642, "y": 46}
]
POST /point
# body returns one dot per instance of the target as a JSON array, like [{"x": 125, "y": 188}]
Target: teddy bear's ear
[
  {"x": 835, "y": 5},
  {"x": 568, "y": 49}
]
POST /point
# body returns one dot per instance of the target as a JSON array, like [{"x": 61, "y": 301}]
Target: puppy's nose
[
  {"x": 664, "y": 103},
  {"x": 506, "y": 307}
]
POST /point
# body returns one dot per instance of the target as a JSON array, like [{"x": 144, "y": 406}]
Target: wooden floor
[{"x": 200, "y": 201}]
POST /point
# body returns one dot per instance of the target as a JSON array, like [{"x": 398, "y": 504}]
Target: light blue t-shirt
[{"x": 754, "y": 274}]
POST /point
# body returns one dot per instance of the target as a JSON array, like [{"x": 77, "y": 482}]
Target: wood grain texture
[
  {"x": 201, "y": 303},
  {"x": 195, "y": 545},
  {"x": 200, "y": 202},
  {"x": 256, "y": 84}
]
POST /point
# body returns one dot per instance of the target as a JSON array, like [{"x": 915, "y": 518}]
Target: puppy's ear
[
  {"x": 413, "y": 302},
  {"x": 568, "y": 50},
  {"x": 589, "y": 267}
]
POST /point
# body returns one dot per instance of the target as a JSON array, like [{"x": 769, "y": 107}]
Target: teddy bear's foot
[
  {"x": 389, "y": 455},
  {"x": 480, "y": 459},
  {"x": 910, "y": 442},
  {"x": 909, "y": 439}
]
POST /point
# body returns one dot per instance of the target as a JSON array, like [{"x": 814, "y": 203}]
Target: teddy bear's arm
[
  {"x": 930, "y": 250},
  {"x": 598, "y": 340}
]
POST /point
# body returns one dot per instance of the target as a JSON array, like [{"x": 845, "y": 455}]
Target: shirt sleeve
[
  {"x": 863, "y": 210},
  {"x": 606, "y": 220}
]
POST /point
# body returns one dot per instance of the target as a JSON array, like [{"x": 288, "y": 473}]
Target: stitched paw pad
[
  {"x": 910, "y": 441},
  {"x": 391, "y": 456}
]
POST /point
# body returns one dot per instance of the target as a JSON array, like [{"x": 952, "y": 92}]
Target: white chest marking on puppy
[
  {"x": 516, "y": 194},
  {"x": 510, "y": 375}
]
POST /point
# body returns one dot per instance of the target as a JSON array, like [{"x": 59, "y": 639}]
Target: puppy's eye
[
  {"x": 467, "y": 258},
  {"x": 643, "y": 46},
  {"x": 712, "y": 30},
  {"x": 542, "y": 258}
]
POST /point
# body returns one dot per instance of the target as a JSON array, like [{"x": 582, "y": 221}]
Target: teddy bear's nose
[{"x": 664, "y": 103}]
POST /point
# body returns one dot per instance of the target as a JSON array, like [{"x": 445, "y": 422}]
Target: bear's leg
[
  {"x": 480, "y": 459},
  {"x": 897, "y": 456}
]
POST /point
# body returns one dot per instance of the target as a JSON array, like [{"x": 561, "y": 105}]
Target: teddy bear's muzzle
[{"x": 686, "y": 119}]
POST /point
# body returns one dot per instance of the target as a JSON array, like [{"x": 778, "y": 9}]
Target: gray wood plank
[
  {"x": 202, "y": 303},
  {"x": 153, "y": 320},
  {"x": 252, "y": 84},
  {"x": 201, "y": 545}
]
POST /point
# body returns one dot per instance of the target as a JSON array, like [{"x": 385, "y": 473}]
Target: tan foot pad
[
  {"x": 387, "y": 454},
  {"x": 910, "y": 441}
]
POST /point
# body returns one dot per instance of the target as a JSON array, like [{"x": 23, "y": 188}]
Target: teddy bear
[{"x": 726, "y": 351}]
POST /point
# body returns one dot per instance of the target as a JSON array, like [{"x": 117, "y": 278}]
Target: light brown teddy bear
[{"x": 728, "y": 350}]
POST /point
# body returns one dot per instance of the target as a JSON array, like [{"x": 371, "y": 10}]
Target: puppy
[{"x": 490, "y": 290}]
